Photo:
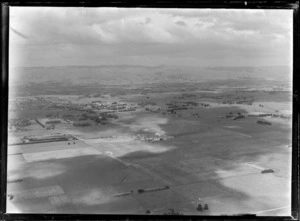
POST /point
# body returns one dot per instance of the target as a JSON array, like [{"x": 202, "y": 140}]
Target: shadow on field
[
  {"x": 90, "y": 181},
  {"x": 190, "y": 165},
  {"x": 196, "y": 175}
]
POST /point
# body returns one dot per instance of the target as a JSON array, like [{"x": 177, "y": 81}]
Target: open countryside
[{"x": 148, "y": 142}]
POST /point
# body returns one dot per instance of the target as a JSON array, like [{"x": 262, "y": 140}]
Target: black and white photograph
[{"x": 150, "y": 111}]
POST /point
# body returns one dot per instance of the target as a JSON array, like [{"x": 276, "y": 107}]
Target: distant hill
[{"x": 131, "y": 74}]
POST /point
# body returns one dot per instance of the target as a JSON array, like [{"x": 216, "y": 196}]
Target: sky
[{"x": 57, "y": 36}]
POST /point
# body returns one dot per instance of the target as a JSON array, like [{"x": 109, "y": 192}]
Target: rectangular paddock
[
  {"x": 39, "y": 192},
  {"x": 59, "y": 154}
]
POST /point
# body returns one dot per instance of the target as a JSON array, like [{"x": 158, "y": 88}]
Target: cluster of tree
[
  {"x": 53, "y": 122},
  {"x": 92, "y": 116},
  {"x": 81, "y": 124},
  {"x": 227, "y": 102},
  {"x": 22, "y": 122},
  {"x": 105, "y": 116},
  {"x": 263, "y": 122},
  {"x": 52, "y": 114},
  {"x": 204, "y": 105},
  {"x": 200, "y": 208},
  {"x": 49, "y": 115},
  {"x": 147, "y": 103},
  {"x": 91, "y": 111}
]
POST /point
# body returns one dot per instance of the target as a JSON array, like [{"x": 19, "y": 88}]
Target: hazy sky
[{"x": 110, "y": 36}]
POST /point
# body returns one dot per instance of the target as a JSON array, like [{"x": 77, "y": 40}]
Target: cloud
[
  {"x": 198, "y": 25},
  {"x": 113, "y": 25},
  {"x": 148, "y": 35},
  {"x": 187, "y": 13},
  {"x": 147, "y": 20},
  {"x": 180, "y": 23}
]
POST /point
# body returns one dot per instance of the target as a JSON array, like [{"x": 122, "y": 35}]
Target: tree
[
  {"x": 199, "y": 207},
  {"x": 206, "y": 206},
  {"x": 141, "y": 191}
]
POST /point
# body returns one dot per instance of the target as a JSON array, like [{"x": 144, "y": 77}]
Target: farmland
[{"x": 147, "y": 148}]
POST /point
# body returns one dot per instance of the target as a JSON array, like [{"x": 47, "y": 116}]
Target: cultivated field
[{"x": 179, "y": 146}]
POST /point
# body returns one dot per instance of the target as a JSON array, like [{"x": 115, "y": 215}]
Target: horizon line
[{"x": 148, "y": 66}]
